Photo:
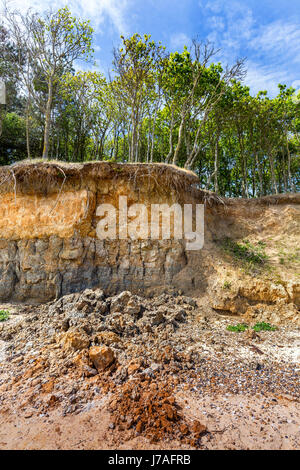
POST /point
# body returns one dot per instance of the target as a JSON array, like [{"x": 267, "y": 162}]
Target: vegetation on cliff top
[{"x": 179, "y": 108}]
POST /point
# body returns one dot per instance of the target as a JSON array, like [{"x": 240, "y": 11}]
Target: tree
[
  {"x": 52, "y": 43},
  {"x": 135, "y": 64}
]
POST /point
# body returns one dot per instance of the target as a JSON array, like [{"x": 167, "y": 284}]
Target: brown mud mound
[{"x": 150, "y": 408}]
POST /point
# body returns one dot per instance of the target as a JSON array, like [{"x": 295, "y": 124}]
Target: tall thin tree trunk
[
  {"x": 134, "y": 121},
  {"x": 216, "y": 164},
  {"x": 136, "y": 157},
  {"x": 57, "y": 146},
  {"x": 27, "y": 128},
  {"x": 180, "y": 136},
  {"x": 152, "y": 136},
  {"x": 271, "y": 159},
  {"x": 168, "y": 157},
  {"x": 290, "y": 180},
  {"x": 259, "y": 174},
  {"x": 1, "y": 119},
  {"x": 148, "y": 141},
  {"x": 48, "y": 119}
]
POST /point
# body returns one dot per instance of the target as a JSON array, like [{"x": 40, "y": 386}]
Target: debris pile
[
  {"x": 137, "y": 354},
  {"x": 150, "y": 408}
]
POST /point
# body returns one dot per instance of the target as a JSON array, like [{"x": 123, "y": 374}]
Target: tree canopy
[{"x": 155, "y": 106}]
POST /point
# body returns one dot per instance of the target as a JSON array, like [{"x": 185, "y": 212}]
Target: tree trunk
[
  {"x": 48, "y": 119},
  {"x": 136, "y": 158},
  {"x": 1, "y": 118},
  {"x": 168, "y": 157},
  {"x": 134, "y": 122},
  {"x": 27, "y": 128},
  {"x": 152, "y": 136},
  {"x": 273, "y": 173},
  {"x": 196, "y": 148},
  {"x": 148, "y": 140},
  {"x": 180, "y": 136},
  {"x": 259, "y": 174},
  {"x": 291, "y": 184},
  {"x": 216, "y": 164}
]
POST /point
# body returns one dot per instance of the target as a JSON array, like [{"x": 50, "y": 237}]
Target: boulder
[
  {"x": 76, "y": 338},
  {"x": 101, "y": 356},
  {"x": 120, "y": 301}
]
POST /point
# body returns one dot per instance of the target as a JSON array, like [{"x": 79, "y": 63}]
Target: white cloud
[
  {"x": 98, "y": 11},
  {"x": 231, "y": 26},
  {"x": 238, "y": 17},
  {"x": 279, "y": 38},
  {"x": 264, "y": 78},
  {"x": 296, "y": 84},
  {"x": 273, "y": 49},
  {"x": 177, "y": 41},
  {"x": 217, "y": 23},
  {"x": 215, "y": 6}
]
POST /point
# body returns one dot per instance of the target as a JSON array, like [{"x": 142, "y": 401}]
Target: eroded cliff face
[{"x": 49, "y": 245}]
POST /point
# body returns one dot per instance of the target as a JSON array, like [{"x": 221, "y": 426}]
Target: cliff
[{"x": 49, "y": 245}]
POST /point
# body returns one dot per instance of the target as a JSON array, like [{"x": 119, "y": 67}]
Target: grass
[
  {"x": 4, "y": 315},
  {"x": 259, "y": 326},
  {"x": 286, "y": 257},
  {"x": 227, "y": 285},
  {"x": 251, "y": 256}
]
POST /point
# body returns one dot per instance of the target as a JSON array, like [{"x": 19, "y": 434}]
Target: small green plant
[
  {"x": 251, "y": 256},
  {"x": 4, "y": 315},
  {"x": 237, "y": 328},
  {"x": 227, "y": 285},
  {"x": 262, "y": 326},
  {"x": 286, "y": 257}
]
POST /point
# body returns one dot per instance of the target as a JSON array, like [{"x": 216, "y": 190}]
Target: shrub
[
  {"x": 262, "y": 326},
  {"x": 227, "y": 285},
  {"x": 237, "y": 328},
  {"x": 246, "y": 251},
  {"x": 4, "y": 315}
]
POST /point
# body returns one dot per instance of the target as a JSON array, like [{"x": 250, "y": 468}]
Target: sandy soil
[
  {"x": 233, "y": 422},
  {"x": 241, "y": 388}
]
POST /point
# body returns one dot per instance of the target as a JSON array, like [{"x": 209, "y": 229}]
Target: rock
[
  {"x": 88, "y": 371},
  {"x": 251, "y": 335},
  {"x": 262, "y": 291},
  {"x": 198, "y": 429},
  {"x": 148, "y": 372},
  {"x": 133, "y": 367},
  {"x": 121, "y": 375},
  {"x": 101, "y": 356},
  {"x": 76, "y": 338},
  {"x": 101, "y": 307},
  {"x": 108, "y": 337},
  {"x": 120, "y": 301},
  {"x": 133, "y": 306},
  {"x": 157, "y": 318},
  {"x": 190, "y": 301},
  {"x": 179, "y": 315}
]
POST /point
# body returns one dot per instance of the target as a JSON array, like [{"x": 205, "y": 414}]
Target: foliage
[
  {"x": 251, "y": 255},
  {"x": 227, "y": 285},
  {"x": 4, "y": 315},
  {"x": 237, "y": 328},
  {"x": 262, "y": 326},
  {"x": 154, "y": 106}
]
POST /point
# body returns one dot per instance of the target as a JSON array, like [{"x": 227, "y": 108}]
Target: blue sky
[{"x": 266, "y": 32}]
